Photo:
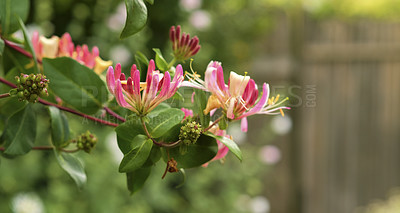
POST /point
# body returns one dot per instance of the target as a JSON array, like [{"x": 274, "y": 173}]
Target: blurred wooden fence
[
  {"x": 350, "y": 140},
  {"x": 345, "y": 149}
]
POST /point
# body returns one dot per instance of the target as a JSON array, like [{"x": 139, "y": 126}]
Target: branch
[
  {"x": 35, "y": 148},
  {"x": 209, "y": 127},
  {"x": 65, "y": 108},
  {"x": 19, "y": 49},
  {"x": 5, "y": 95},
  {"x": 115, "y": 115},
  {"x": 77, "y": 113}
]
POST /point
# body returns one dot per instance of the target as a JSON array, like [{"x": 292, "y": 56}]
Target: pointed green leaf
[
  {"x": 73, "y": 166},
  {"x": 160, "y": 61},
  {"x": 75, "y": 84},
  {"x": 28, "y": 45},
  {"x": 136, "y": 179},
  {"x": 142, "y": 62},
  {"x": 201, "y": 99},
  {"x": 197, "y": 154},
  {"x": 229, "y": 143},
  {"x": 20, "y": 132},
  {"x": 154, "y": 157},
  {"x": 9, "y": 11},
  {"x": 126, "y": 132},
  {"x": 150, "y": 2},
  {"x": 137, "y": 156},
  {"x": 164, "y": 121},
  {"x": 59, "y": 127},
  {"x": 136, "y": 17},
  {"x": 1, "y": 46}
]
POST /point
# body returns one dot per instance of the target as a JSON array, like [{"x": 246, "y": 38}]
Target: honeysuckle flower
[
  {"x": 183, "y": 46},
  {"x": 64, "y": 47},
  {"x": 238, "y": 98},
  {"x": 188, "y": 112},
  {"x": 222, "y": 149},
  {"x": 157, "y": 88}
]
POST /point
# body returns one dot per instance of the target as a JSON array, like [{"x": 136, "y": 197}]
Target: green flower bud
[
  {"x": 20, "y": 94},
  {"x": 86, "y": 142},
  {"x": 189, "y": 133}
]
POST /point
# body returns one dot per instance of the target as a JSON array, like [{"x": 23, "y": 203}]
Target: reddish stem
[
  {"x": 109, "y": 111},
  {"x": 20, "y": 49},
  {"x": 35, "y": 148},
  {"x": 5, "y": 95},
  {"x": 77, "y": 113},
  {"x": 7, "y": 82},
  {"x": 65, "y": 108}
]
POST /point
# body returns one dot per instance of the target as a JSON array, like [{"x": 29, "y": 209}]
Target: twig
[
  {"x": 19, "y": 49},
  {"x": 35, "y": 148},
  {"x": 4, "y": 95},
  {"x": 65, "y": 108},
  {"x": 109, "y": 111},
  {"x": 209, "y": 127}
]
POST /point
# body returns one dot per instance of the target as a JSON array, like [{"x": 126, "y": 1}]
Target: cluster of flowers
[
  {"x": 238, "y": 99},
  {"x": 64, "y": 47}
]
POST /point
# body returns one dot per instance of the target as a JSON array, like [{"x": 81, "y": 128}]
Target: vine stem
[
  {"x": 44, "y": 102},
  {"x": 35, "y": 148},
  {"x": 213, "y": 124},
  {"x": 115, "y": 115},
  {"x": 5, "y": 95},
  {"x": 2, "y": 80},
  {"x": 19, "y": 49},
  {"x": 168, "y": 145}
]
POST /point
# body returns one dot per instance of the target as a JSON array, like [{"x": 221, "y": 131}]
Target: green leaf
[
  {"x": 197, "y": 154},
  {"x": 201, "y": 99},
  {"x": 9, "y": 11},
  {"x": 126, "y": 132},
  {"x": 150, "y": 2},
  {"x": 164, "y": 121},
  {"x": 28, "y": 44},
  {"x": 160, "y": 61},
  {"x": 75, "y": 84},
  {"x": 14, "y": 59},
  {"x": 136, "y": 17},
  {"x": 232, "y": 146},
  {"x": 136, "y": 179},
  {"x": 73, "y": 166},
  {"x": 1, "y": 46},
  {"x": 59, "y": 127},
  {"x": 137, "y": 156},
  {"x": 20, "y": 132},
  {"x": 142, "y": 62},
  {"x": 154, "y": 156}
]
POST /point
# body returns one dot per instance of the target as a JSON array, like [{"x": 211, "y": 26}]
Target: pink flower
[
  {"x": 157, "y": 88},
  {"x": 238, "y": 98},
  {"x": 188, "y": 112},
  {"x": 183, "y": 46},
  {"x": 222, "y": 149},
  {"x": 64, "y": 47}
]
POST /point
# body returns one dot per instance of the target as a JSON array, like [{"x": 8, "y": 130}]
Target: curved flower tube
[
  {"x": 222, "y": 149},
  {"x": 238, "y": 98},
  {"x": 157, "y": 88},
  {"x": 64, "y": 47}
]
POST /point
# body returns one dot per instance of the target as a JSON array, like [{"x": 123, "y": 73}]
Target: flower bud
[
  {"x": 183, "y": 46},
  {"x": 86, "y": 141},
  {"x": 30, "y": 87},
  {"x": 190, "y": 132}
]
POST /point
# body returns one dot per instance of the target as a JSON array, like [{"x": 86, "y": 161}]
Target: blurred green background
[{"x": 337, "y": 150}]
